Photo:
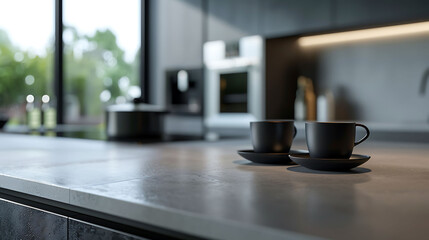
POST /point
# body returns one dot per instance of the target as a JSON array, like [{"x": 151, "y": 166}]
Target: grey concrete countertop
[{"x": 207, "y": 190}]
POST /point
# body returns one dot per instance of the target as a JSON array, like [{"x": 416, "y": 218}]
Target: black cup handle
[
  {"x": 295, "y": 131},
  {"x": 365, "y": 137}
]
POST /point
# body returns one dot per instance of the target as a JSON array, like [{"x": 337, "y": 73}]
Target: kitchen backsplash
[{"x": 378, "y": 80}]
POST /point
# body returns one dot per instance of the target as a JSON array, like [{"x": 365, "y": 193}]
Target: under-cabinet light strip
[{"x": 356, "y": 35}]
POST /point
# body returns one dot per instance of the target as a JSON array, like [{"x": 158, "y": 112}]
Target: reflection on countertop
[{"x": 95, "y": 132}]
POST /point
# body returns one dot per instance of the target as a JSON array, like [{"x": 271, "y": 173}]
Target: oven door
[{"x": 233, "y": 96}]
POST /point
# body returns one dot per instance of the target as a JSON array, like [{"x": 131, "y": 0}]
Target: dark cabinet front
[
  {"x": 18, "y": 221},
  {"x": 21, "y": 222},
  {"x": 79, "y": 230}
]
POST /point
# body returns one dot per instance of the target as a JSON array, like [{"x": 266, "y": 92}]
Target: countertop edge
[
  {"x": 171, "y": 219},
  {"x": 181, "y": 221}
]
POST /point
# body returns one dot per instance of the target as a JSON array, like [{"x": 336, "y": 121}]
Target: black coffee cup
[
  {"x": 272, "y": 136},
  {"x": 332, "y": 139}
]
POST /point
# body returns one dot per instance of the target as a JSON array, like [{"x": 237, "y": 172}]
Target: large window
[
  {"x": 101, "y": 56},
  {"x": 26, "y": 52}
]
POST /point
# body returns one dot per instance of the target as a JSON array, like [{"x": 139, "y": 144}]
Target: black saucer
[
  {"x": 269, "y": 158},
  {"x": 329, "y": 164}
]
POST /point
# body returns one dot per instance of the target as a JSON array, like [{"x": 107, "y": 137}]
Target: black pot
[
  {"x": 134, "y": 121},
  {"x": 3, "y": 121}
]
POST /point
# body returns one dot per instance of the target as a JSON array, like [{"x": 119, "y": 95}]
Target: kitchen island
[{"x": 205, "y": 190}]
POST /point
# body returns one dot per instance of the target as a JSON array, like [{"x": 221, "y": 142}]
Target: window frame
[{"x": 59, "y": 56}]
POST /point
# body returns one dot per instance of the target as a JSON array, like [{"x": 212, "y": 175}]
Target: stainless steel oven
[{"x": 234, "y": 85}]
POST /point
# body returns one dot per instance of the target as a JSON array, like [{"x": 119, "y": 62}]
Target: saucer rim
[
  {"x": 268, "y": 158},
  {"x": 251, "y": 151},
  {"x": 306, "y": 156}
]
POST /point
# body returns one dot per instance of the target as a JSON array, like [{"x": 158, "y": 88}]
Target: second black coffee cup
[
  {"x": 274, "y": 136},
  {"x": 332, "y": 139}
]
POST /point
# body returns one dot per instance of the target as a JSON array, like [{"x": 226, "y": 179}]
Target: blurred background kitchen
[{"x": 202, "y": 69}]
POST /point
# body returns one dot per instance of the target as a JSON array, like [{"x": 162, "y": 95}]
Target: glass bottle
[
  {"x": 33, "y": 113},
  {"x": 49, "y": 113}
]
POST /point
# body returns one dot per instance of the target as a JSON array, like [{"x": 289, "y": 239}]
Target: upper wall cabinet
[
  {"x": 286, "y": 17},
  {"x": 361, "y": 13},
  {"x": 232, "y": 19}
]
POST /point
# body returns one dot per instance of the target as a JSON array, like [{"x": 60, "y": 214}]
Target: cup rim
[
  {"x": 272, "y": 121},
  {"x": 330, "y": 123}
]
